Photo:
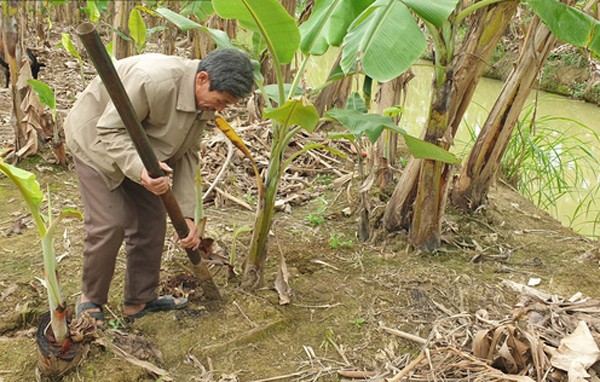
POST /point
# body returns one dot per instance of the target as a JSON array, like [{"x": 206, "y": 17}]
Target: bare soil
[{"x": 345, "y": 293}]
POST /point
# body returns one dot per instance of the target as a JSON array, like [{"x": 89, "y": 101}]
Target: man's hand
[
  {"x": 157, "y": 186},
  {"x": 192, "y": 240}
]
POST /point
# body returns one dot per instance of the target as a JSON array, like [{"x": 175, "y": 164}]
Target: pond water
[{"x": 578, "y": 208}]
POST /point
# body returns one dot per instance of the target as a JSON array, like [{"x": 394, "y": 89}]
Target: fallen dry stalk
[
  {"x": 338, "y": 350},
  {"x": 238, "y": 201},
  {"x": 405, "y": 335},
  {"x": 242, "y": 338},
  {"x": 356, "y": 374},
  {"x": 408, "y": 368},
  {"x": 281, "y": 377},
  {"x": 252, "y": 323},
  {"x": 150, "y": 368}
]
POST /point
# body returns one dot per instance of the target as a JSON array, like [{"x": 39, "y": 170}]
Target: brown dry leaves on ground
[{"x": 546, "y": 338}]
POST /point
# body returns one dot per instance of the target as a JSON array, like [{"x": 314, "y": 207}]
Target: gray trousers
[{"x": 129, "y": 213}]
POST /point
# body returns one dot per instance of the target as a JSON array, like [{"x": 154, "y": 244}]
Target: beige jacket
[{"x": 161, "y": 89}]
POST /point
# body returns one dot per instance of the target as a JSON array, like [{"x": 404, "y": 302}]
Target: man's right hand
[{"x": 157, "y": 186}]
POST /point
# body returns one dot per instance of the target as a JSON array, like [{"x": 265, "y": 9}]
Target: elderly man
[{"x": 173, "y": 98}]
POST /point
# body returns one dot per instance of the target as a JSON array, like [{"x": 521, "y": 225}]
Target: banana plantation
[{"x": 377, "y": 209}]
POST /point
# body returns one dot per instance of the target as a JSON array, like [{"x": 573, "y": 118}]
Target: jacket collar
[{"x": 186, "y": 99}]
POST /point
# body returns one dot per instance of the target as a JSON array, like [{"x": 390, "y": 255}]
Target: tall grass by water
[{"x": 551, "y": 161}]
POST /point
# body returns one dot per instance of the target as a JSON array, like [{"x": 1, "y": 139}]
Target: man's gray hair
[{"x": 230, "y": 70}]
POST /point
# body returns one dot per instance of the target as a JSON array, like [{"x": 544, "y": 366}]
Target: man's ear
[{"x": 203, "y": 77}]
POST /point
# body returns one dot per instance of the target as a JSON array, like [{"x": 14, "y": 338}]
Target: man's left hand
[{"x": 191, "y": 241}]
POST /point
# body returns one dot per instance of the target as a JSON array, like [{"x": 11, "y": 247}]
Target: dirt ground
[
  {"x": 343, "y": 298},
  {"x": 346, "y": 294}
]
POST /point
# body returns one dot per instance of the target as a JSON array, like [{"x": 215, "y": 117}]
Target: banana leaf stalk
[
  {"x": 30, "y": 190},
  {"x": 56, "y": 301}
]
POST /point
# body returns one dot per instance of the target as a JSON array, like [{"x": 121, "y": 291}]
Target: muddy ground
[{"x": 345, "y": 293}]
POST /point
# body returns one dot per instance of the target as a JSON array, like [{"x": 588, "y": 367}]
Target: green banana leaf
[
  {"x": 202, "y": 9},
  {"x": 185, "y": 24},
  {"x": 273, "y": 92},
  {"x": 270, "y": 19},
  {"x": 67, "y": 43},
  {"x": 427, "y": 150},
  {"x": 569, "y": 24},
  {"x": 384, "y": 41},
  {"x": 25, "y": 182},
  {"x": 372, "y": 125},
  {"x": 359, "y": 123},
  {"x": 328, "y": 24},
  {"x": 44, "y": 92},
  {"x": 356, "y": 102},
  {"x": 435, "y": 12},
  {"x": 66, "y": 213},
  {"x": 92, "y": 10},
  {"x": 295, "y": 112},
  {"x": 30, "y": 190},
  {"x": 137, "y": 28}
]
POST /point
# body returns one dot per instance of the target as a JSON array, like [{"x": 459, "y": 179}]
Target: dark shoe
[
  {"x": 86, "y": 307},
  {"x": 163, "y": 303}
]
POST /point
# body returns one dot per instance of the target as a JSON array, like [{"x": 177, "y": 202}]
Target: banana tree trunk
[
  {"x": 38, "y": 22},
  {"x": 54, "y": 359},
  {"x": 417, "y": 203},
  {"x": 335, "y": 94},
  {"x": 399, "y": 210},
  {"x": 121, "y": 47},
  {"x": 429, "y": 200},
  {"x": 487, "y": 29},
  {"x": 384, "y": 154},
  {"x": 253, "y": 276},
  {"x": 26, "y": 138},
  {"x": 364, "y": 230},
  {"x": 56, "y": 302},
  {"x": 169, "y": 35},
  {"x": 473, "y": 184}
]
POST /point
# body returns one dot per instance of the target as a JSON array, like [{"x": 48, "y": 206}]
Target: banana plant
[
  {"x": 67, "y": 43},
  {"x": 48, "y": 98},
  {"x": 290, "y": 114},
  {"x": 92, "y": 10},
  {"x": 46, "y": 226},
  {"x": 562, "y": 21}
]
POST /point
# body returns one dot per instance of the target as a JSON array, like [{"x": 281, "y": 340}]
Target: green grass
[
  {"x": 336, "y": 242},
  {"x": 316, "y": 218},
  {"x": 548, "y": 160}
]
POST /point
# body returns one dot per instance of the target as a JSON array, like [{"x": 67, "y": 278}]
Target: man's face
[{"x": 207, "y": 100}]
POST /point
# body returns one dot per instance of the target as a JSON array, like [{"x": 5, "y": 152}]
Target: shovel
[{"x": 101, "y": 60}]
